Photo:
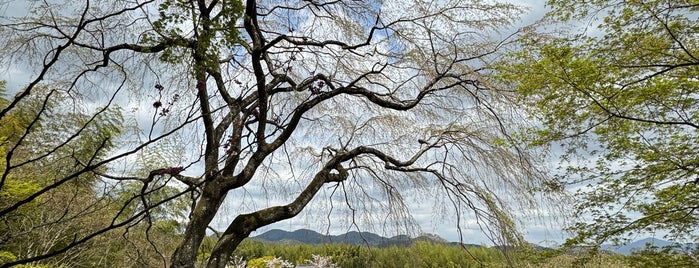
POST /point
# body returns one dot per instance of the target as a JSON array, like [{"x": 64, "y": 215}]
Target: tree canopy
[
  {"x": 619, "y": 90},
  {"x": 152, "y": 114}
]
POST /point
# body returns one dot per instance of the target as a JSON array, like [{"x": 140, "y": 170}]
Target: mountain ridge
[
  {"x": 627, "y": 249},
  {"x": 306, "y": 236}
]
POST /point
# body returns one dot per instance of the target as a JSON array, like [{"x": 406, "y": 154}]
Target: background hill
[
  {"x": 640, "y": 244},
  {"x": 305, "y": 236}
]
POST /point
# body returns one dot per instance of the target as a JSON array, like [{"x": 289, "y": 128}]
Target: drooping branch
[{"x": 241, "y": 227}]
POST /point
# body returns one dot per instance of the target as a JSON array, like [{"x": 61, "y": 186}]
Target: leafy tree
[
  {"x": 26, "y": 229},
  {"x": 625, "y": 94},
  {"x": 654, "y": 256},
  {"x": 379, "y": 101},
  {"x": 42, "y": 216}
]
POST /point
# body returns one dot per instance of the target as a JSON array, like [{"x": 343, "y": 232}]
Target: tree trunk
[{"x": 185, "y": 255}]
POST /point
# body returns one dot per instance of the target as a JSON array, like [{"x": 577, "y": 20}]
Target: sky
[{"x": 541, "y": 230}]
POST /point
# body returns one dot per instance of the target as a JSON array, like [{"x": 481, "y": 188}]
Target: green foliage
[
  {"x": 653, "y": 256},
  {"x": 595, "y": 261},
  {"x": 626, "y": 97},
  {"x": 260, "y": 262},
  {"x": 70, "y": 139},
  {"x": 423, "y": 254},
  {"x": 37, "y": 266},
  {"x": 14, "y": 191},
  {"x": 420, "y": 254},
  {"x": 216, "y": 31},
  {"x": 6, "y": 256}
]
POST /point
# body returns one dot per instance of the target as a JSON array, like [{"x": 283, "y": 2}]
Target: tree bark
[{"x": 185, "y": 255}]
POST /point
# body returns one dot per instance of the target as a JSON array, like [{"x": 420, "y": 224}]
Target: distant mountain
[
  {"x": 305, "y": 236},
  {"x": 353, "y": 238},
  {"x": 638, "y": 245}
]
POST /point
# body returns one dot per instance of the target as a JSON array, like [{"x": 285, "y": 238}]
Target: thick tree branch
[{"x": 244, "y": 224}]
